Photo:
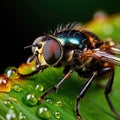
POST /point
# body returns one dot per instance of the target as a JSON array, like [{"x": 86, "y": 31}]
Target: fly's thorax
[{"x": 72, "y": 38}]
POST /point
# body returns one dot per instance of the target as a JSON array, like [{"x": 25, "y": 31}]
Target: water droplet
[
  {"x": 11, "y": 72},
  {"x": 11, "y": 115},
  {"x": 17, "y": 88},
  {"x": 117, "y": 22},
  {"x": 21, "y": 116},
  {"x": 100, "y": 16},
  {"x": 59, "y": 103},
  {"x": 30, "y": 99},
  {"x": 9, "y": 104},
  {"x": 48, "y": 100},
  {"x": 14, "y": 100},
  {"x": 57, "y": 115},
  {"x": 43, "y": 112},
  {"x": 26, "y": 68},
  {"x": 108, "y": 29},
  {"x": 5, "y": 84},
  {"x": 39, "y": 87}
]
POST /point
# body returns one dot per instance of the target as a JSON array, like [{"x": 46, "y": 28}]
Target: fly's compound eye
[{"x": 52, "y": 51}]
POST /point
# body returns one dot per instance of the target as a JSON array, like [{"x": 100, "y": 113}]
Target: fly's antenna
[
  {"x": 34, "y": 45},
  {"x": 29, "y": 46}
]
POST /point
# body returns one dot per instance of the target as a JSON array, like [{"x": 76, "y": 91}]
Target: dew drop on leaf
[
  {"x": 17, "y": 88},
  {"x": 59, "y": 103},
  {"x": 26, "y": 68},
  {"x": 11, "y": 115},
  {"x": 57, "y": 115},
  {"x": 43, "y": 113},
  {"x": 11, "y": 72},
  {"x": 9, "y": 104},
  {"x": 21, "y": 116},
  {"x": 49, "y": 101},
  {"x": 39, "y": 87},
  {"x": 5, "y": 84},
  {"x": 30, "y": 99}
]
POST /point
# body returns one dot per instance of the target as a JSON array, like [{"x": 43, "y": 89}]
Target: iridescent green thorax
[{"x": 72, "y": 38}]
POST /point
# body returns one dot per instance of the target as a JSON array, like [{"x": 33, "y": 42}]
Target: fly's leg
[
  {"x": 56, "y": 86},
  {"x": 82, "y": 93},
  {"x": 108, "y": 90}
]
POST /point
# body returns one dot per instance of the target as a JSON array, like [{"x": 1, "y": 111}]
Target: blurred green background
[{"x": 22, "y": 21}]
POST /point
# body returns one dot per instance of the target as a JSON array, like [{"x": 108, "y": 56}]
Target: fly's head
[{"x": 47, "y": 51}]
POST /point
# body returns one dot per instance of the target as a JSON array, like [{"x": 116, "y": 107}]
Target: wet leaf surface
[{"x": 22, "y": 103}]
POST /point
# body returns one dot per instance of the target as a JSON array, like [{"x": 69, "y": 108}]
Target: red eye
[{"x": 52, "y": 51}]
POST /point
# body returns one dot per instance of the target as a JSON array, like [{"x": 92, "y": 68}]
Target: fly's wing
[
  {"x": 107, "y": 57},
  {"x": 108, "y": 52},
  {"x": 103, "y": 55},
  {"x": 116, "y": 49}
]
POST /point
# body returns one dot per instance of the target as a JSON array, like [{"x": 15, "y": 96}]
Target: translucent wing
[
  {"x": 103, "y": 55},
  {"x": 107, "y": 57},
  {"x": 116, "y": 49}
]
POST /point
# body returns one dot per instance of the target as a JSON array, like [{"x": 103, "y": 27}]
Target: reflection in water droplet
[
  {"x": 39, "y": 87},
  {"x": 44, "y": 113},
  {"x": 21, "y": 116},
  {"x": 57, "y": 115},
  {"x": 48, "y": 100},
  {"x": 59, "y": 103},
  {"x": 30, "y": 99},
  {"x": 11, "y": 72},
  {"x": 17, "y": 88},
  {"x": 11, "y": 115},
  {"x": 9, "y": 104}
]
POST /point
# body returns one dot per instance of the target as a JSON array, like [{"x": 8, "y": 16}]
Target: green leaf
[{"x": 21, "y": 103}]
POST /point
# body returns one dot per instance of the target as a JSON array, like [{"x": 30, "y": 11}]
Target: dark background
[{"x": 22, "y": 21}]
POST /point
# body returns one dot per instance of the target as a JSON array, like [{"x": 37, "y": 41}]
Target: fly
[{"x": 81, "y": 51}]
